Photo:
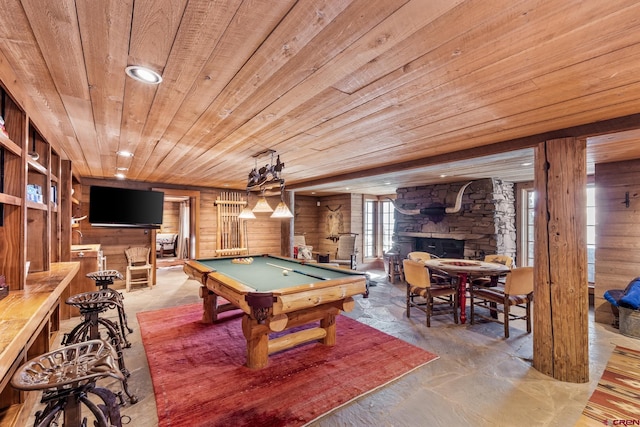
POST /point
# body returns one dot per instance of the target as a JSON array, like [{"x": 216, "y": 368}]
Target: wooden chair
[
  {"x": 492, "y": 281},
  {"x": 419, "y": 256},
  {"x": 346, "y": 253},
  {"x": 517, "y": 292},
  {"x": 138, "y": 264},
  {"x": 438, "y": 298},
  {"x": 425, "y": 256}
]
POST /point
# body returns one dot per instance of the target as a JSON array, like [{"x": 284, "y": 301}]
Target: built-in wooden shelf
[
  {"x": 33, "y": 165},
  {"x": 36, "y": 205},
  {"x": 10, "y": 145},
  {"x": 10, "y": 200}
]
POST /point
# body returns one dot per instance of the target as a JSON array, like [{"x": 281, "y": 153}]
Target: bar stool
[
  {"x": 103, "y": 279},
  {"x": 67, "y": 376},
  {"x": 395, "y": 269},
  {"x": 93, "y": 326}
]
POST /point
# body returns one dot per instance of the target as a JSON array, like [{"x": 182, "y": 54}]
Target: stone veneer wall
[{"x": 486, "y": 221}]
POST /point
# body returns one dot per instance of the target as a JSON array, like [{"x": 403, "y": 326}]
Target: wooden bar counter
[{"x": 29, "y": 320}]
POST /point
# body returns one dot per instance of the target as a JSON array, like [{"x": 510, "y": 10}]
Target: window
[
  {"x": 528, "y": 236},
  {"x": 388, "y": 223},
  {"x": 378, "y": 225},
  {"x": 369, "y": 238}
]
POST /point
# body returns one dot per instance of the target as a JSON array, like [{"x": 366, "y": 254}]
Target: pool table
[{"x": 276, "y": 294}]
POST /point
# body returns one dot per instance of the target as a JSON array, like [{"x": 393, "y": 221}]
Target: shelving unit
[
  {"x": 35, "y": 199},
  {"x": 35, "y": 227}
]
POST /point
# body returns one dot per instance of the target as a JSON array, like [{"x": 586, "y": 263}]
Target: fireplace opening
[{"x": 442, "y": 248}]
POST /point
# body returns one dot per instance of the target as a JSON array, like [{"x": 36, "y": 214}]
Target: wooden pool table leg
[
  {"x": 210, "y": 307},
  {"x": 257, "y": 336},
  {"x": 328, "y": 323}
]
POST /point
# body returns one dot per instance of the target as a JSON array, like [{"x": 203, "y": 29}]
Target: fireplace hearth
[{"x": 442, "y": 248}]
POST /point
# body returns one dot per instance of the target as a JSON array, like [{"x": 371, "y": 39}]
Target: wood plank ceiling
[{"x": 380, "y": 93}]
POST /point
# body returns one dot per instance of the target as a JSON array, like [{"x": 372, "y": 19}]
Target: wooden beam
[
  {"x": 618, "y": 124},
  {"x": 561, "y": 299}
]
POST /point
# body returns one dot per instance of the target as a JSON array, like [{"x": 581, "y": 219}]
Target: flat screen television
[{"x": 124, "y": 207}]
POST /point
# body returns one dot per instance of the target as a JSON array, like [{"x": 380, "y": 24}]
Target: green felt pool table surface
[{"x": 265, "y": 273}]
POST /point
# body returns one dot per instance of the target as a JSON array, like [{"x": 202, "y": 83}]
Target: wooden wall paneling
[
  {"x": 208, "y": 224},
  {"x": 306, "y": 220},
  {"x": 170, "y": 217},
  {"x": 334, "y": 218},
  {"x": 287, "y": 227},
  {"x": 617, "y": 231},
  {"x": 561, "y": 303},
  {"x": 265, "y": 233}
]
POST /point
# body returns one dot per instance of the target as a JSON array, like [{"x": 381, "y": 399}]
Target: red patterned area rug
[
  {"x": 199, "y": 377},
  {"x": 616, "y": 399}
]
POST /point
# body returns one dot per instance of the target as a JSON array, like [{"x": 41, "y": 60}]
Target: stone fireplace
[{"x": 485, "y": 224}]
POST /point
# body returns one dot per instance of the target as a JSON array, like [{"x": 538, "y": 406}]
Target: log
[{"x": 561, "y": 299}]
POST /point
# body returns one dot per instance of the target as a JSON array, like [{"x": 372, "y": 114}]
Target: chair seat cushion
[
  {"x": 436, "y": 291},
  {"x": 497, "y": 295}
]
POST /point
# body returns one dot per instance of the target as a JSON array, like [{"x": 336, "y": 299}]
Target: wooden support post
[{"x": 561, "y": 300}]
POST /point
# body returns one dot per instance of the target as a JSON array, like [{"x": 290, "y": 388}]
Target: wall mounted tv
[{"x": 123, "y": 207}]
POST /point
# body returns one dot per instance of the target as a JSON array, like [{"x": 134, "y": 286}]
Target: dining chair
[
  {"x": 517, "y": 292},
  {"x": 138, "y": 264},
  {"x": 425, "y": 256},
  {"x": 488, "y": 280},
  {"x": 346, "y": 253},
  {"x": 419, "y": 256},
  {"x": 427, "y": 295}
]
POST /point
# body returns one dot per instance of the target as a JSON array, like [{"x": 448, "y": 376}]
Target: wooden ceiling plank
[
  {"x": 202, "y": 26},
  {"x": 155, "y": 23},
  {"x": 24, "y": 65},
  {"x": 568, "y": 75},
  {"x": 300, "y": 25},
  {"x": 395, "y": 28},
  {"x": 498, "y": 24},
  {"x": 104, "y": 29},
  {"x": 55, "y": 26},
  {"x": 255, "y": 19}
]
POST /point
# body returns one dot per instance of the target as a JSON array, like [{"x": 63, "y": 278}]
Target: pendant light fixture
[
  {"x": 246, "y": 212},
  {"x": 267, "y": 178},
  {"x": 282, "y": 211}
]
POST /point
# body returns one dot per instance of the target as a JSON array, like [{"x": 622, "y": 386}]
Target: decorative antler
[
  {"x": 456, "y": 208},
  {"x": 435, "y": 210},
  {"x": 334, "y": 210}
]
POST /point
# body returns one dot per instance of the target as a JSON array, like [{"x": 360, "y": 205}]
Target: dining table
[{"x": 464, "y": 270}]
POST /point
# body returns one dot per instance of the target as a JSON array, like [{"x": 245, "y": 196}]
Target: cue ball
[{"x": 285, "y": 273}]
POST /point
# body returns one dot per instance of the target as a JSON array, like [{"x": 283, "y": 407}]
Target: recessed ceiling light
[
  {"x": 124, "y": 153},
  {"x": 527, "y": 164},
  {"x": 120, "y": 175},
  {"x": 122, "y": 169},
  {"x": 443, "y": 176},
  {"x": 143, "y": 74}
]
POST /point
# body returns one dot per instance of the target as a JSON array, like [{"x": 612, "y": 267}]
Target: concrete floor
[{"x": 480, "y": 379}]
